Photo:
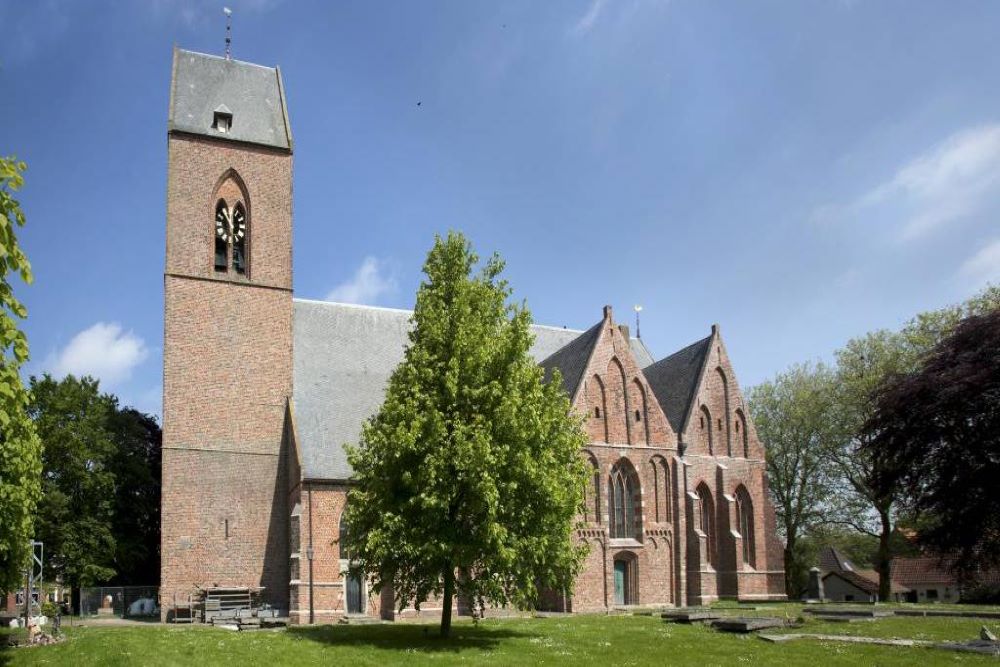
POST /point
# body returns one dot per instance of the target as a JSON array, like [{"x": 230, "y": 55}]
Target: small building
[
  {"x": 927, "y": 578},
  {"x": 843, "y": 582}
]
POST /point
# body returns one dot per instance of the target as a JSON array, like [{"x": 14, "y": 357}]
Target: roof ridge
[
  {"x": 231, "y": 60},
  {"x": 680, "y": 351}
]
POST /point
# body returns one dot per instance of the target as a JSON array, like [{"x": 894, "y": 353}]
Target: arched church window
[
  {"x": 230, "y": 237},
  {"x": 624, "y": 496}
]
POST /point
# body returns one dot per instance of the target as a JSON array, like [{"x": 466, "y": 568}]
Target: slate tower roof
[{"x": 203, "y": 86}]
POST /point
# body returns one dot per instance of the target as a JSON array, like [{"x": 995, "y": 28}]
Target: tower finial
[
  {"x": 638, "y": 309},
  {"x": 229, "y": 32}
]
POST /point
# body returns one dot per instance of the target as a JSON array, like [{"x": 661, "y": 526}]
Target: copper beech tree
[
  {"x": 935, "y": 432},
  {"x": 469, "y": 478}
]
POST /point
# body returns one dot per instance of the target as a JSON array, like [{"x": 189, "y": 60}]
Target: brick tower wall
[{"x": 227, "y": 367}]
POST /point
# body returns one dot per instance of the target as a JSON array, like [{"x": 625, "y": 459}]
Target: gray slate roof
[
  {"x": 571, "y": 359},
  {"x": 675, "y": 378},
  {"x": 342, "y": 359},
  {"x": 254, "y": 95}
]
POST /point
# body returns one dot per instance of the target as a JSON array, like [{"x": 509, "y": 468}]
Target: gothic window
[
  {"x": 623, "y": 494},
  {"x": 744, "y": 509},
  {"x": 231, "y": 226},
  {"x": 706, "y": 520}
]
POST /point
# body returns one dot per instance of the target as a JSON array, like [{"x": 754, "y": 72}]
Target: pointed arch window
[
  {"x": 232, "y": 226},
  {"x": 744, "y": 510},
  {"x": 623, "y": 494}
]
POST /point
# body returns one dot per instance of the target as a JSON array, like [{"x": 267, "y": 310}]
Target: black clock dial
[
  {"x": 222, "y": 224},
  {"x": 239, "y": 225}
]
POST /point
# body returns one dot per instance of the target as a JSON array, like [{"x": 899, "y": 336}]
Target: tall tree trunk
[
  {"x": 449, "y": 593},
  {"x": 791, "y": 565},
  {"x": 884, "y": 556}
]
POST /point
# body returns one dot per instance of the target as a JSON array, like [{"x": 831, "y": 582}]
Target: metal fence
[{"x": 120, "y": 601}]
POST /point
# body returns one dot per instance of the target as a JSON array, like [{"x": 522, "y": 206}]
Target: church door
[
  {"x": 355, "y": 599},
  {"x": 621, "y": 569}
]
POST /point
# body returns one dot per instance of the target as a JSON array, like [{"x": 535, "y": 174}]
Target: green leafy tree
[
  {"x": 76, "y": 512},
  {"x": 20, "y": 449},
  {"x": 469, "y": 478},
  {"x": 793, "y": 414}
]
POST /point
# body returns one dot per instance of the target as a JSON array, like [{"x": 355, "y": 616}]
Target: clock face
[
  {"x": 239, "y": 224},
  {"x": 222, "y": 223}
]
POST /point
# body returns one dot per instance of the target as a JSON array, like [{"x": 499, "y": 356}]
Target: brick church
[{"x": 261, "y": 390}]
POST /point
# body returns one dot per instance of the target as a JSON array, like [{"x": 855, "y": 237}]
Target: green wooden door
[{"x": 620, "y": 567}]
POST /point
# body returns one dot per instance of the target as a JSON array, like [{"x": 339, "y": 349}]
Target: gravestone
[{"x": 815, "y": 589}]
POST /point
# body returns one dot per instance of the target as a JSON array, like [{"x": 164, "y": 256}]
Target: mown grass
[{"x": 622, "y": 640}]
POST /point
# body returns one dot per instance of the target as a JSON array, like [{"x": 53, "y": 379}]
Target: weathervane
[
  {"x": 229, "y": 31},
  {"x": 638, "y": 309}
]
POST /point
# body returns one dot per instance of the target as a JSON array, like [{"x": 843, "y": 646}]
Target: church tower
[{"x": 227, "y": 351}]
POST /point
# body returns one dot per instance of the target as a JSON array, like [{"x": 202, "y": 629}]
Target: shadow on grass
[{"x": 410, "y": 637}]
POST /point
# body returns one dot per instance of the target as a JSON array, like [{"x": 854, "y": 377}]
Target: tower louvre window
[{"x": 222, "y": 120}]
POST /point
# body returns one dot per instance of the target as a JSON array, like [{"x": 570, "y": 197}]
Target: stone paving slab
[{"x": 747, "y": 624}]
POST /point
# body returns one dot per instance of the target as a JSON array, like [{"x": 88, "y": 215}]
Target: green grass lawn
[{"x": 624, "y": 640}]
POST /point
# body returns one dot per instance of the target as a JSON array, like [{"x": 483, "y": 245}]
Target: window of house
[
  {"x": 932, "y": 594},
  {"x": 597, "y": 412},
  {"x": 638, "y": 416}
]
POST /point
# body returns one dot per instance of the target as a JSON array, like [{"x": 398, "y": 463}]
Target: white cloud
[
  {"x": 372, "y": 279},
  {"x": 984, "y": 265},
  {"x": 587, "y": 22},
  {"x": 103, "y": 351},
  {"x": 952, "y": 180}
]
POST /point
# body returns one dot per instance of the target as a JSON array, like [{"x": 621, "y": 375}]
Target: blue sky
[{"x": 799, "y": 172}]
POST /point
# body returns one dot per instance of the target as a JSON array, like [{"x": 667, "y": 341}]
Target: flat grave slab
[
  {"x": 982, "y": 646},
  {"x": 690, "y": 615},
  {"x": 747, "y": 624},
  {"x": 860, "y": 612}
]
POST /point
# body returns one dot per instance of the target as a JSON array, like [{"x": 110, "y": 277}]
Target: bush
[{"x": 49, "y": 609}]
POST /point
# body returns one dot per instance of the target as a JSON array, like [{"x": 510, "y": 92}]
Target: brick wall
[{"x": 227, "y": 360}]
